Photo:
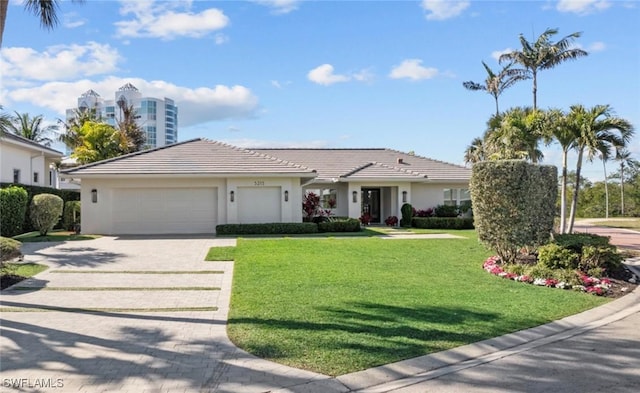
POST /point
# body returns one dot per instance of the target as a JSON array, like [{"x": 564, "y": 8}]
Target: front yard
[{"x": 338, "y": 305}]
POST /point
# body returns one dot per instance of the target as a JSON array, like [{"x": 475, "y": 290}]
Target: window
[
  {"x": 329, "y": 198},
  {"x": 51, "y": 178},
  {"x": 457, "y": 196},
  {"x": 36, "y": 177},
  {"x": 16, "y": 175}
]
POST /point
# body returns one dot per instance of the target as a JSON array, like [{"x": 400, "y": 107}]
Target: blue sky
[{"x": 287, "y": 73}]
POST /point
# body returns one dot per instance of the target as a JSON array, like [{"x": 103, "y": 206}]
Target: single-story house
[
  {"x": 192, "y": 186},
  {"x": 24, "y": 161}
]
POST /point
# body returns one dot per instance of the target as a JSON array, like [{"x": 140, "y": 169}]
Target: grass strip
[
  {"x": 221, "y": 254},
  {"x": 101, "y": 310},
  {"x": 138, "y": 271},
  {"x": 20, "y": 288}
]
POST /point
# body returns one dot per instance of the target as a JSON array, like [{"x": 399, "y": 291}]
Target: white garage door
[
  {"x": 164, "y": 210},
  {"x": 259, "y": 205}
]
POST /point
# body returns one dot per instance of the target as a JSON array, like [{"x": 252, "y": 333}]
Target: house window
[
  {"x": 51, "y": 178},
  {"x": 329, "y": 198},
  {"x": 457, "y": 196},
  {"x": 16, "y": 175},
  {"x": 36, "y": 177}
]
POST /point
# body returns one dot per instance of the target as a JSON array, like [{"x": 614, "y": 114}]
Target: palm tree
[
  {"x": 594, "y": 128},
  {"x": 605, "y": 155},
  {"x": 134, "y": 137},
  {"x": 623, "y": 156},
  {"x": 516, "y": 134},
  {"x": 543, "y": 54},
  {"x": 558, "y": 131},
  {"x": 31, "y": 128},
  {"x": 5, "y": 120},
  {"x": 71, "y": 137},
  {"x": 496, "y": 83},
  {"x": 475, "y": 152},
  {"x": 45, "y": 10}
]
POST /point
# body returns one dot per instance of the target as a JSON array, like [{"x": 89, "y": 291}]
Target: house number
[{"x": 258, "y": 183}]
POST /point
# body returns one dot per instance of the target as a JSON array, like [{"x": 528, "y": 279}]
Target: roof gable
[{"x": 17, "y": 140}]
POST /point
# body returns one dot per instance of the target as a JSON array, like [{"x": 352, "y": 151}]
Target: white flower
[{"x": 540, "y": 281}]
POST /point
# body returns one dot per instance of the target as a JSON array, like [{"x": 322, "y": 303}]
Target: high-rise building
[{"x": 157, "y": 117}]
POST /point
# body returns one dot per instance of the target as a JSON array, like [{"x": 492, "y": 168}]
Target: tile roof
[
  {"x": 8, "y": 136},
  {"x": 196, "y": 156},
  {"x": 335, "y": 164}
]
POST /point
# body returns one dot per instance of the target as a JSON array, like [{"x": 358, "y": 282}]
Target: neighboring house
[
  {"x": 192, "y": 186},
  {"x": 24, "y": 161}
]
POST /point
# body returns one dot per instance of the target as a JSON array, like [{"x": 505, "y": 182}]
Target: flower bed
[{"x": 593, "y": 285}]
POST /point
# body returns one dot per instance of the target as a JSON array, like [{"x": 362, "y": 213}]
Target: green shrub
[
  {"x": 555, "y": 256},
  {"x": 576, "y": 241},
  {"x": 71, "y": 215},
  {"x": 513, "y": 205},
  {"x": 446, "y": 211},
  {"x": 45, "y": 212},
  {"x": 348, "y": 225},
  {"x": 442, "y": 222},
  {"x": 515, "y": 268},
  {"x": 600, "y": 257},
  {"x": 9, "y": 249},
  {"x": 66, "y": 195},
  {"x": 407, "y": 215},
  {"x": 569, "y": 276},
  {"x": 539, "y": 271},
  {"x": 13, "y": 208},
  {"x": 278, "y": 228}
]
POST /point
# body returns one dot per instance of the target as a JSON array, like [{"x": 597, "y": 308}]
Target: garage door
[
  {"x": 259, "y": 205},
  {"x": 164, "y": 210}
]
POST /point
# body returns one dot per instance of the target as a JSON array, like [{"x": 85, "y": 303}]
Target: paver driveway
[{"x": 103, "y": 339}]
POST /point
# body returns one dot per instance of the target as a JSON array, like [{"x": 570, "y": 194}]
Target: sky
[{"x": 322, "y": 74}]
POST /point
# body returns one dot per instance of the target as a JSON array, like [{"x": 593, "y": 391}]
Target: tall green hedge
[
  {"x": 13, "y": 209},
  {"x": 45, "y": 212},
  {"x": 66, "y": 195},
  {"x": 514, "y": 205}
]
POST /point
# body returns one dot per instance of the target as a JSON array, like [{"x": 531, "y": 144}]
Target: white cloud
[
  {"x": 444, "y": 9},
  {"x": 597, "y": 46},
  {"x": 497, "y": 53},
  {"x": 412, "y": 69},
  {"x": 60, "y": 62},
  {"x": 323, "y": 75},
  {"x": 161, "y": 20},
  {"x": 582, "y": 7},
  {"x": 280, "y": 85},
  {"x": 279, "y": 7},
  {"x": 221, "y": 39},
  {"x": 195, "y": 105},
  {"x": 365, "y": 75},
  {"x": 71, "y": 20}
]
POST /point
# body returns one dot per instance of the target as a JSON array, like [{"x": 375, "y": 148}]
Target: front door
[{"x": 371, "y": 204}]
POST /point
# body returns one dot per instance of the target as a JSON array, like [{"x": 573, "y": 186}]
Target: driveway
[
  {"x": 128, "y": 314},
  {"x": 623, "y": 238}
]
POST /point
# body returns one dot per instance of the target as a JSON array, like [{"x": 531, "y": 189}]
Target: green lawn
[
  {"x": 54, "y": 236},
  {"x": 338, "y": 305},
  {"x": 628, "y": 223},
  {"x": 11, "y": 273}
]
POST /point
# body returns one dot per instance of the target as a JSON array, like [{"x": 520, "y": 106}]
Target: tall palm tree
[
  {"x": 496, "y": 83},
  {"x": 624, "y": 157},
  {"x": 5, "y": 120},
  {"x": 134, "y": 137},
  {"x": 543, "y": 54},
  {"x": 605, "y": 155},
  {"x": 597, "y": 130},
  {"x": 45, "y": 10},
  {"x": 71, "y": 137},
  {"x": 24, "y": 125}
]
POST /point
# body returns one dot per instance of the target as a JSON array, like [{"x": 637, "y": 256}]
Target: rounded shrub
[
  {"x": 555, "y": 256},
  {"x": 13, "y": 205},
  {"x": 407, "y": 215},
  {"x": 45, "y": 212}
]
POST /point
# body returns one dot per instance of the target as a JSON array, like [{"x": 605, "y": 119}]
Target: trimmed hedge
[
  {"x": 66, "y": 195},
  {"x": 46, "y": 210},
  {"x": 276, "y": 228},
  {"x": 514, "y": 205},
  {"x": 442, "y": 223},
  {"x": 71, "y": 210},
  {"x": 13, "y": 208},
  {"x": 9, "y": 249},
  {"x": 348, "y": 225}
]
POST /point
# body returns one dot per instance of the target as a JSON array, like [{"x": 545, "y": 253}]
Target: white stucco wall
[
  {"x": 28, "y": 162},
  {"x": 424, "y": 196}
]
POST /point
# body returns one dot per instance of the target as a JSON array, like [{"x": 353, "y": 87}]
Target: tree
[
  {"x": 71, "y": 136},
  {"x": 475, "y": 152},
  {"x": 565, "y": 136},
  {"x": 594, "y": 128},
  {"x": 623, "y": 156},
  {"x": 45, "y": 10},
  {"x": 134, "y": 136},
  {"x": 5, "y": 120},
  {"x": 99, "y": 141},
  {"x": 543, "y": 54},
  {"x": 496, "y": 83},
  {"x": 24, "y": 125},
  {"x": 516, "y": 134}
]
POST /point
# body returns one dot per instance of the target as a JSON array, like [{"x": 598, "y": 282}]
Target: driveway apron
[{"x": 128, "y": 315}]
